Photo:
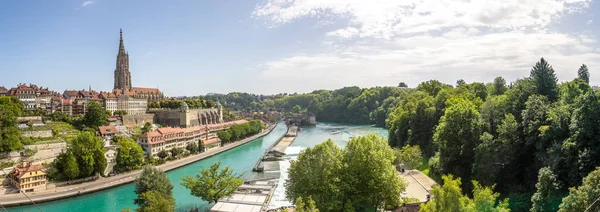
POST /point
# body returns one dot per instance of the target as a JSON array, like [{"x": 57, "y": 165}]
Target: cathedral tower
[{"x": 122, "y": 74}]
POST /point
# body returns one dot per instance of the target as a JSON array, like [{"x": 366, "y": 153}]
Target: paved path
[{"x": 109, "y": 182}]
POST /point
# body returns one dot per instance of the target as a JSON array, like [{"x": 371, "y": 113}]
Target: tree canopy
[
  {"x": 360, "y": 176},
  {"x": 213, "y": 183},
  {"x": 130, "y": 156},
  {"x": 152, "y": 180},
  {"x": 95, "y": 116},
  {"x": 10, "y": 137}
]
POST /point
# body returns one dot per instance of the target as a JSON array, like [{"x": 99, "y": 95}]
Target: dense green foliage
[
  {"x": 503, "y": 135},
  {"x": 450, "y": 198},
  {"x": 147, "y": 127},
  {"x": 309, "y": 206},
  {"x": 130, "y": 155},
  {"x": 241, "y": 131},
  {"x": 213, "y": 183},
  {"x": 360, "y": 176},
  {"x": 87, "y": 151},
  {"x": 95, "y": 116},
  {"x": 152, "y": 180},
  {"x": 546, "y": 188},
  {"x": 408, "y": 155},
  {"x": 10, "y": 137},
  {"x": 582, "y": 197},
  {"x": 156, "y": 202}
]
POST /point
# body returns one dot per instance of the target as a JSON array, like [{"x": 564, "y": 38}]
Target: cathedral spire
[{"x": 122, "y": 74}]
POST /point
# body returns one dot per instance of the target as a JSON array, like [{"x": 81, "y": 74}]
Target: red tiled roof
[
  {"x": 161, "y": 132},
  {"x": 106, "y": 130},
  {"x": 21, "y": 170},
  {"x": 211, "y": 141},
  {"x": 70, "y": 93}
]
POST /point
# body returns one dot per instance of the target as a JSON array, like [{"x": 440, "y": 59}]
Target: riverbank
[
  {"x": 257, "y": 191},
  {"x": 110, "y": 182}
]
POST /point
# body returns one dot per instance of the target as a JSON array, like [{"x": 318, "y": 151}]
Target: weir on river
[{"x": 240, "y": 159}]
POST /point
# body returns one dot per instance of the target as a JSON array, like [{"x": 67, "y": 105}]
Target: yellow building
[{"x": 28, "y": 177}]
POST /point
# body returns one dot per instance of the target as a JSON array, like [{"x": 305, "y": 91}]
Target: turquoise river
[{"x": 241, "y": 159}]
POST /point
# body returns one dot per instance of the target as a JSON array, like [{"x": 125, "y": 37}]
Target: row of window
[{"x": 31, "y": 185}]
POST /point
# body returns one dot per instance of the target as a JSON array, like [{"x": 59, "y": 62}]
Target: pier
[{"x": 255, "y": 194}]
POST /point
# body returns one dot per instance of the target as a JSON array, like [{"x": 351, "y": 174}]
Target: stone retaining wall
[
  {"x": 37, "y": 133},
  {"x": 139, "y": 119}
]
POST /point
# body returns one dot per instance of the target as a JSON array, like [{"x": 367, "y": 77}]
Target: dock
[{"x": 256, "y": 192}]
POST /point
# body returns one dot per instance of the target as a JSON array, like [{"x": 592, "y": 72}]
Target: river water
[{"x": 240, "y": 159}]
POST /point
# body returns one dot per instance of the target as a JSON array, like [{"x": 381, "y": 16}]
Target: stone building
[
  {"x": 110, "y": 101},
  {"x": 3, "y": 91},
  {"x": 122, "y": 74},
  {"x": 186, "y": 117},
  {"x": 31, "y": 95},
  {"x": 122, "y": 77},
  {"x": 167, "y": 138},
  {"x": 27, "y": 177}
]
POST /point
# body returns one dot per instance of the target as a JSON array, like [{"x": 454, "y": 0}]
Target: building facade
[
  {"x": 167, "y": 138},
  {"x": 27, "y": 177}
]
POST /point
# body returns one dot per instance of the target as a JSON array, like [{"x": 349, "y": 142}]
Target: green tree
[
  {"x": 310, "y": 205},
  {"x": 154, "y": 201},
  {"x": 316, "y": 173},
  {"x": 584, "y": 197},
  {"x": 498, "y": 86},
  {"x": 368, "y": 176},
  {"x": 583, "y": 73},
  {"x": 152, "y": 180},
  {"x": 409, "y": 155},
  {"x": 70, "y": 168},
  {"x": 296, "y": 109},
  {"x": 162, "y": 154},
  {"x": 457, "y": 136},
  {"x": 120, "y": 113},
  {"x": 448, "y": 197},
  {"x": 95, "y": 116},
  {"x": 544, "y": 80},
  {"x": 212, "y": 184},
  {"x": 585, "y": 135},
  {"x": 361, "y": 176},
  {"x": 402, "y": 85},
  {"x": 224, "y": 135},
  {"x": 176, "y": 151},
  {"x": 147, "y": 127},
  {"x": 88, "y": 149},
  {"x": 546, "y": 188},
  {"x": 485, "y": 200},
  {"x": 192, "y": 147},
  {"x": 460, "y": 82},
  {"x": 10, "y": 109},
  {"x": 130, "y": 156}
]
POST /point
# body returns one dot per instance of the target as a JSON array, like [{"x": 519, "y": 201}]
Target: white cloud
[
  {"x": 386, "y": 41},
  {"x": 87, "y": 3},
  {"x": 589, "y": 22}
]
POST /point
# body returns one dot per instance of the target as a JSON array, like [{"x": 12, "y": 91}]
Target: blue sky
[{"x": 273, "y": 46}]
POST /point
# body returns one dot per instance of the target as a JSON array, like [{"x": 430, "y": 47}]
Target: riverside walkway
[
  {"x": 109, "y": 182},
  {"x": 256, "y": 193}
]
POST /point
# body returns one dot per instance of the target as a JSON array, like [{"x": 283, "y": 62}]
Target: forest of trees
[{"x": 503, "y": 134}]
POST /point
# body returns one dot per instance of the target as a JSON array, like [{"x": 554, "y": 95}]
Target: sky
[{"x": 195, "y": 47}]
